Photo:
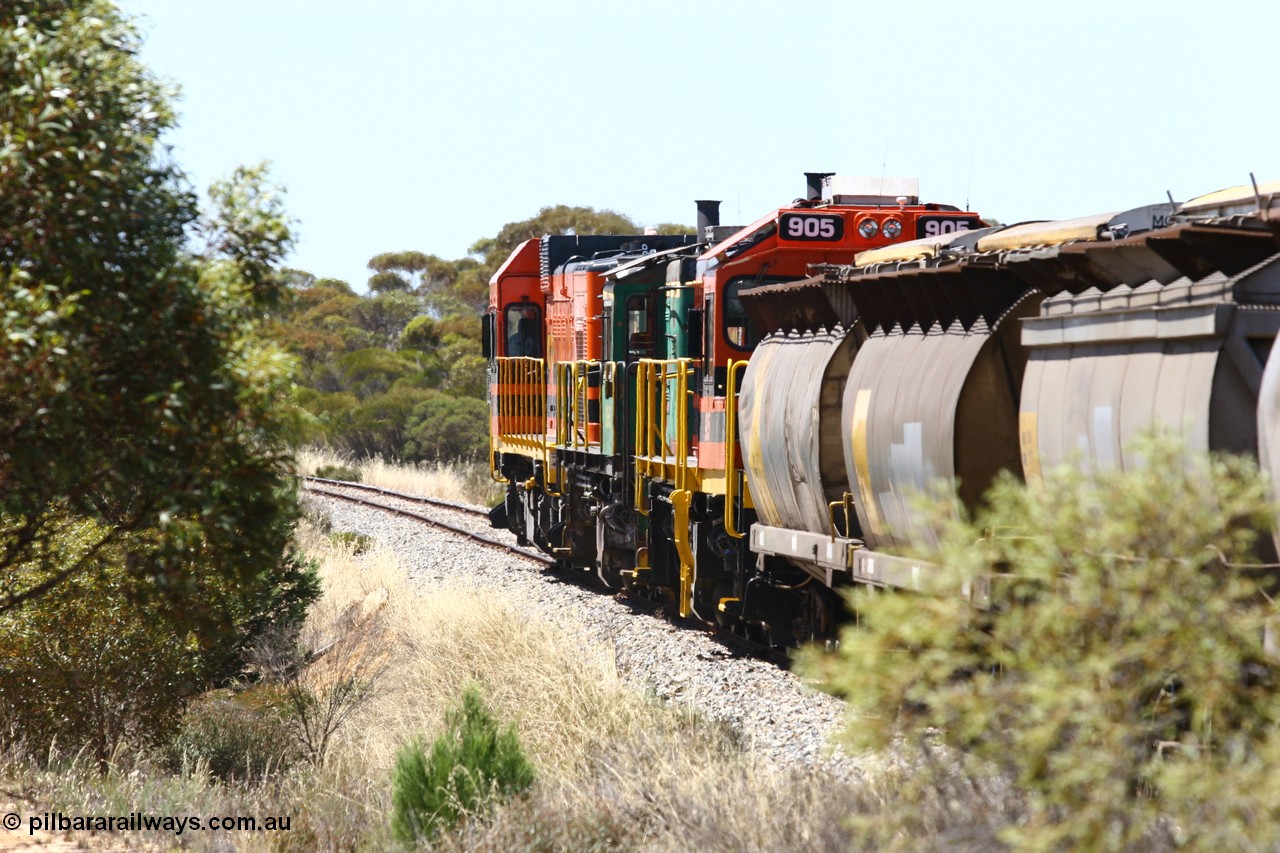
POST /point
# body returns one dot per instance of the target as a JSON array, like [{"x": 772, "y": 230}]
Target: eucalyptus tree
[{"x": 135, "y": 391}]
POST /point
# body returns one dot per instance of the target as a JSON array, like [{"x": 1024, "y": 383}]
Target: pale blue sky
[{"x": 422, "y": 125}]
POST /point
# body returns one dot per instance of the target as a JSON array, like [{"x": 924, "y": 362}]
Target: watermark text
[{"x": 144, "y": 822}]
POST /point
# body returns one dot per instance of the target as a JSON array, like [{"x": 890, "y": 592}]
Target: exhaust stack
[
  {"x": 708, "y": 217},
  {"x": 813, "y": 184}
]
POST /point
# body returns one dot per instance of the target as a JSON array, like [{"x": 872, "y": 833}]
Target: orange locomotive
[{"x": 614, "y": 364}]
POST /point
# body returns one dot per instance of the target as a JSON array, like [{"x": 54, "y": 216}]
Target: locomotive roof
[
  {"x": 560, "y": 252},
  {"x": 648, "y": 259}
]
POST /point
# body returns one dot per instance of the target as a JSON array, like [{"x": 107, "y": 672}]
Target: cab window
[
  {"x": 739, "y": 331},
  {"x": 639, "y": 327},
  {"x": 738, "y": 328},
  {"x": 523, "y": 325}
]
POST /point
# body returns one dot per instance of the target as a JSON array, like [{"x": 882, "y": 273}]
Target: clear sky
[{"x": 425, "y": 125}]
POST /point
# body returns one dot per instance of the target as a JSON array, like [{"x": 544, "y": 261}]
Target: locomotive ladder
[{"x": 663, "y": 399}]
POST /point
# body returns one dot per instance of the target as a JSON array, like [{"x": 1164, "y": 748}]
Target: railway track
[
  {"x": 341, "y": 490},
  {"x": 675, "y": 660},
  {"x": 316, "y": 485}
]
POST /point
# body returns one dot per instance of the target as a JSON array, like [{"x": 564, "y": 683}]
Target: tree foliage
[
  {"x": 106, "y": 328},
  {"x": 385, "y": 315},
  {"x": 447, "y": 429},
  {"x": 82, "y": 666},
  {"x": 139, "y": 412},
  {"x": 411, "y": 345},
  {"x": 1120, "y": 688},
  {"x": 421, "y": 334},
  {"x": 396, "y": 270}
]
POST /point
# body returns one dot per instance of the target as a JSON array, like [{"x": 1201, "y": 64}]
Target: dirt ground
[{"x": 20, "y": 839}]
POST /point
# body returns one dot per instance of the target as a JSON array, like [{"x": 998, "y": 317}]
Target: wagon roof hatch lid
[
  {"x": 1190, "y": 249},
  {"x": 805, "y": 305},
  {"x": 1029, "y": 235},
  {"x": 1245, "y": 199},
  {"x": 925, "y": 248}
]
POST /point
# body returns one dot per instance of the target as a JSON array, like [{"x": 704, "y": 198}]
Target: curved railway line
[
  {"x": 787, "y": 722},
  {"x": 738, "y": 644},
  {"x": 311, "y": 484}
]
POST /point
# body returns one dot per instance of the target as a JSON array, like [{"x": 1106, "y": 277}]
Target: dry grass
[
  {"x": 617, "y": 769},
  {"x": 658, "y": 792},
  {"x": 565, "y": 700},
  {"x": 461, "y": 482}
]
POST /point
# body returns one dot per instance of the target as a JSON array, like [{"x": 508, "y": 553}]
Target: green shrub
[
  {"x": 278, "y": 597},
  {"x": 471, "y": 765},
  {"x": 95, "y": 662},
  {"x": 234, "y": 741},
  {"x": 1119, "y": 694},
  {"x": 339, "y": 472},
  {"x": 87, "y": 665},
  {"x": 359, "y": 543}
]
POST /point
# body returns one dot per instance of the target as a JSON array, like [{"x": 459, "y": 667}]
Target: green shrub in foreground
[
  {"x": 1124, "y": 701},
  {"x": 230, "y": 739},
  {"x": 348, "y": 473},
  {"x": 470, "y": 765}
]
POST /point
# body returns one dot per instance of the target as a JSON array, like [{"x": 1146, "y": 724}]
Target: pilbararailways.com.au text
[{"x": 141, "y": 822}]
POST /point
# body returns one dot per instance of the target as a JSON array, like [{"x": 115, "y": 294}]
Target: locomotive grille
[{"x": 544, "y": 263}]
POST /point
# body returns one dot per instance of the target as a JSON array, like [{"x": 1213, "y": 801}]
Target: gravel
[{"x": 768, "y": 707}]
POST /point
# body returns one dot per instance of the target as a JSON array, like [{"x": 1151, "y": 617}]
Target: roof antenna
[
  {"x": 883, "y": 164},
  {"x": 1169, "y": 194},
  {"x": 969, "y": 184},
  {"x": 1257, "y": 196}
]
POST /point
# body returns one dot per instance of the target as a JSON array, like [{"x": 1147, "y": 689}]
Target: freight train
[{"x": 740, "y": 421}]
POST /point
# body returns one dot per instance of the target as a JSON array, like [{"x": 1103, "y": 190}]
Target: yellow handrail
[
  {"x": 495, "y": 428},
  {"x": 662, "y": 410},
  {"x": 847, "y": 503},
  {"x": 731, "y": 471},
  {"x": 662, "y": 452},
  {"x": 551, "y": 474},
  {"x": 521, "y": 401},
  {"x": 575, "y": 428},
  {"x": 641, "y": 417},
  {"x": 581, "y": 407}
]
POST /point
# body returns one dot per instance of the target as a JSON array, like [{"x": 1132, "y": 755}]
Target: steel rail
[
  {"x": 737, "y": 645},
  {"x": 466, "y": 508},
  {"x": 310, "y": 483}
]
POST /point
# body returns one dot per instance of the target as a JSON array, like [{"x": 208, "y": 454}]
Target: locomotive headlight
[
  {"x": 868, "y": 228},
  {"x": 892, "y": 228}
]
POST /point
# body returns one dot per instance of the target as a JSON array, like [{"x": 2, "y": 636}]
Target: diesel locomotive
[{"x": 740, "y": 421}]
